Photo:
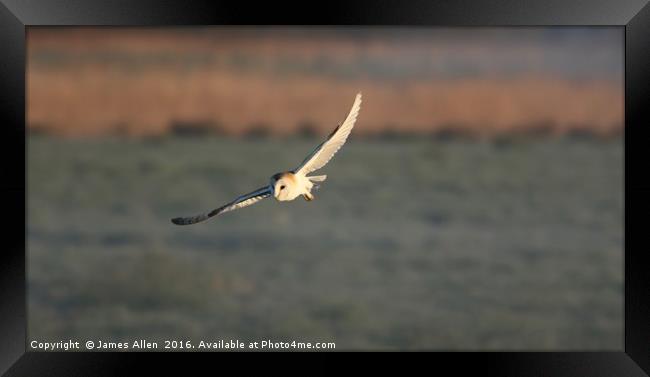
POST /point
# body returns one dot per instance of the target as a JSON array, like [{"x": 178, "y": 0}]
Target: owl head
[{"x": 283, "y": 185}]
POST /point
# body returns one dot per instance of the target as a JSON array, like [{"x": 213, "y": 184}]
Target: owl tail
[{"x": 317, "y": 178}]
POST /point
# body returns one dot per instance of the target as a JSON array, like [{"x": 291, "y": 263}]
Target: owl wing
[
  {"x": 240, "y": 202},
  {"x": 326, "y": 150}
]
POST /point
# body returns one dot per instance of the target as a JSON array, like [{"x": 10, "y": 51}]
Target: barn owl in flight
[{"x": 291, "y": 184}]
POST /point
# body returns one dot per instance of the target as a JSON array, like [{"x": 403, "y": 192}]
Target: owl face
[
  {"x": 281, "y": 189},
  {"x": 284, "y": 186}
]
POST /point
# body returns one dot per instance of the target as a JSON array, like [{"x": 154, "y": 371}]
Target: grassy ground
[{"x": 411, "y": 244}]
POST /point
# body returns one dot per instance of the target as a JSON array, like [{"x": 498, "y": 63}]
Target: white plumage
[
  {"x": 289, "y": 185},
  {"x": 325, "y": 151}
]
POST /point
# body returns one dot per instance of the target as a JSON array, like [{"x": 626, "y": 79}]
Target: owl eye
[{"x": 282, "y": 187}]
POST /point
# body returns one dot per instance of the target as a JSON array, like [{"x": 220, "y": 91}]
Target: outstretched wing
[
  {"x": 326, "y": 150},
  {"x": 240, "y": 202}
]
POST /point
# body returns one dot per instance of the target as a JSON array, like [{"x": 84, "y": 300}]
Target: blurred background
[{"x": 477, "y": 205}]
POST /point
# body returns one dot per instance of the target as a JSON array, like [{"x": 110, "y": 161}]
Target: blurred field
[{"x": 410, "y": 244}]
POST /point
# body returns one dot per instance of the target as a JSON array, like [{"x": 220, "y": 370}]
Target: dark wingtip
[{"x": 178, "y": 221}]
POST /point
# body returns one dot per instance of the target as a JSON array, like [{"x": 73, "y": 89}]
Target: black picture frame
[{"x": 632, "y": 15}]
